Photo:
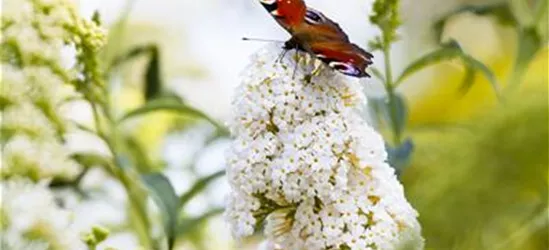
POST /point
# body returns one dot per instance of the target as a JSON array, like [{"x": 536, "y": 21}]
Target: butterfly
[{"x": 314, "y": 33}]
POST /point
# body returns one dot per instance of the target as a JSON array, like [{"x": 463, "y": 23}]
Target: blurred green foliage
[
  {"x": 480, "y": 184},
  {"x": 481, "y": 181},
  {"x": 486, "y": 188}
]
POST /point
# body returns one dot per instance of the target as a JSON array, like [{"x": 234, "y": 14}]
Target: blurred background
[{"x": 474, "y": 165}]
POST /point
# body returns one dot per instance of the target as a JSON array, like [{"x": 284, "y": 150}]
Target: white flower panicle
[
  {"x": 30, "y": 219},
  {"x": 306, "y": 163},
  {"x": 36, "y": 83},
  {"x": 38, "y": 29},
  {"x": 38, "y": 159}
]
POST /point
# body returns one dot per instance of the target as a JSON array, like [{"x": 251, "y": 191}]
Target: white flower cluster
[
  {"x": 38, "y": 29},
  {"x": 36, "y": 83},
  {"x": 306, "y": 162},
  {"x": 31, "y": 219}
]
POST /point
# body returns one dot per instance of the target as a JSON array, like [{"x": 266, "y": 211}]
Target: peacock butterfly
[{"x": 312, "y": 32}]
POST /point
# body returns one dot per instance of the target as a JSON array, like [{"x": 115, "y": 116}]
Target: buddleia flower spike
[{"x": 306, "y": 166}]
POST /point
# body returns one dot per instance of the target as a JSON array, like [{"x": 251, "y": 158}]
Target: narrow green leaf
[
  {"x": 528, "y": 45},
  {"x": 164, "y": 195},
  {"x": 168, "y": 95},
  {"x": 482, "y": 68},
  {"x": 187, "y": 226},
  {"x": 92, "y": 160},
  {"x": 153, "y": 78},
  {"x": 198, "y": 187},
  {"x": 85, "y": 128},
  {"x": 468, "y": 80},
  {"x": 450, "y": 51},
  {"x": 173, "y": 106},
  {"x": 140, "y": 157},
  {"x": 133, "y": 53},
  {"x": 446, "y": 52}
]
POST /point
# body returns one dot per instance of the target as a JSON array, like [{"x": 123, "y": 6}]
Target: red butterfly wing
[
  {"x": 288, "y": 13},
  {"x": 323, "y": 27},
  {"x": 346, "y": 58},
  {"x": 316, "y": 34}
]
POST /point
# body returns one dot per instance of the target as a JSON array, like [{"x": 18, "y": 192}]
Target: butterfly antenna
[{"x": 261, "y": 40}]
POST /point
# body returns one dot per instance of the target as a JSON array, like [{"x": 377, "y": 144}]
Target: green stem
[
  {"x": 389, "y": 87},
  {"x": 130, "y": 186},
  {"x": 110, "y": 136}
]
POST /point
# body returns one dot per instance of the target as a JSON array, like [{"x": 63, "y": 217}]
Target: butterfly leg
[
  {"x": 297, "y": 59},
  {"x": 281, "y": 56}
]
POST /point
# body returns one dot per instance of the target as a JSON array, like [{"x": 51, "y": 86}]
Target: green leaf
[
  {"x": 198, "y": 187},
  {"x": 153, "y": 74},
  {"x": 153, "y": 78},
  {"x": 91, "y": 160},
  {"x": 528, "y": 45},
  {"x": 468, "y": 80},
  {"x": 482, "y": 68},
  {"x": 164, "y": 195},
  {"x": 173, "y": 106},
  {"x": 448, "y": 51},
  {"x": 140, "y": 157},
  {"x": 133, "y": 53},
  {"x": 168, "y": 95},
  {"x": 187, "y": 226}
]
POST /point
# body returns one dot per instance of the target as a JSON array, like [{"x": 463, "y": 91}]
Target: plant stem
[
  {"x": 110, "y": 136},
  {"x": 390, "y": 94}
]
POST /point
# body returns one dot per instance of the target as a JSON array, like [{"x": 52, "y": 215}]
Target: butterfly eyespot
[
  {"x": 313, "y": 17},
  {"x": 345, "y": 68}
]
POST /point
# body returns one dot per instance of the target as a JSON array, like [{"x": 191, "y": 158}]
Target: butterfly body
[{"x": 316, "y": 34}]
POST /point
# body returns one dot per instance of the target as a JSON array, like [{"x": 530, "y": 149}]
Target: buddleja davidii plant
[
  {"x": 90, "y": 78},
  {"x": 130, "y": 163},
  {"x": 529, "y": 19},
  {"x": 391, "y": 109}
]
